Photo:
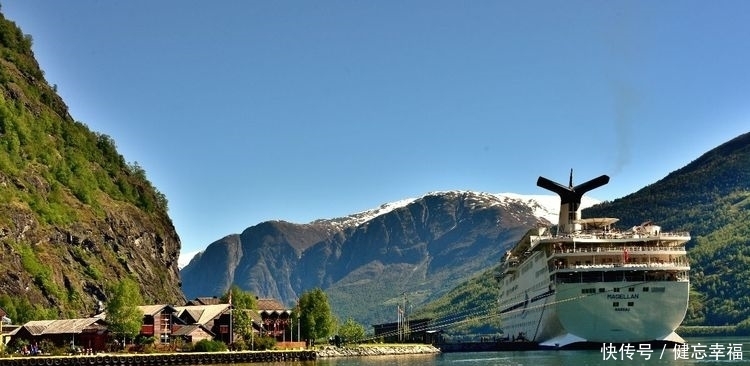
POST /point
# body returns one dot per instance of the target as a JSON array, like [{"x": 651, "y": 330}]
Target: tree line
[{"x": 313, "y": 314}]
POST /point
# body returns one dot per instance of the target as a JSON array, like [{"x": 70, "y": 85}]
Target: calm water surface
[{"x": 545, "y": 358}]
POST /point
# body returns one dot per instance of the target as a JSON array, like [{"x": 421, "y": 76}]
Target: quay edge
[{"x": 164, "y": 359}]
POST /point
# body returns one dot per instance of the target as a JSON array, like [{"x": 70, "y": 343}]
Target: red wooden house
[
  {"x": 84, "y": 333},
  {"x": 158, "y": 322},
  {"x": 276, "y": 319}
]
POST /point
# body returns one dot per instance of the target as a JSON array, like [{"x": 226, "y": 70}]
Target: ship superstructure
[{"x": 587, "y": 281}]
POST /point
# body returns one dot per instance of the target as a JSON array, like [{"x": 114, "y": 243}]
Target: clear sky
[{"x": 246, "y": 111}]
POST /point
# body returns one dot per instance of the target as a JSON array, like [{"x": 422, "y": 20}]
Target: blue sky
[{"x": 246, "y": 111}]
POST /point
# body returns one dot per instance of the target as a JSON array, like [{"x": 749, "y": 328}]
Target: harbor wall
[
  {"x": 217, "y": 358},
  {"x": 193, "y": 358}
]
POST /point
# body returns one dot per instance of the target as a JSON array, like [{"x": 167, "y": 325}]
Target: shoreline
[
  {"x": 217, "y": 358},
  {"x": 377, "y": 350}
]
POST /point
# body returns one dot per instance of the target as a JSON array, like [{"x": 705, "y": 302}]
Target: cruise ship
[{"x": 585, "y": 281}]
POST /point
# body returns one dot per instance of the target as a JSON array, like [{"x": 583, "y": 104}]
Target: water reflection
[{"x": 537, "y": 358}]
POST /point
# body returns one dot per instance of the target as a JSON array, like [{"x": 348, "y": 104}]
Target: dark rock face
[
  {"x": 79, "y": 260},
  {"x": 366, "y": 263},
  {"x": 74, "y": 216}
]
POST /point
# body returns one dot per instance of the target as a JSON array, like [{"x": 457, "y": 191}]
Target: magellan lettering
[{"x": 622, "y": 296}]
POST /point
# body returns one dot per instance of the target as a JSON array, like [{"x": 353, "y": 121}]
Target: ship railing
[
  {"x": 624, "y": 265},
  {"x": 621, "y": 235},
  {"x": 631, "y": 249}
]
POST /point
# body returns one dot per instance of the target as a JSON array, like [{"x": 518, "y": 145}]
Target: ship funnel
[{"x": 570, "y": 199}]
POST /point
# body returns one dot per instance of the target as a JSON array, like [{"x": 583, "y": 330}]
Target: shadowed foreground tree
[
  {"x": 316, "y": 320},
  {"x": 243, "y": 305},
  {"x": 123, "y": 315},
  {"x": 352, "y": 331}
]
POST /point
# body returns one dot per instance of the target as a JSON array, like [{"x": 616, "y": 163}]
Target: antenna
[{"x": 570, "y": 184}]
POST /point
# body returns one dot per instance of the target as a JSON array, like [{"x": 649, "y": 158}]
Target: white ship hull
[
  {"x": 618, "y": 312},
  {"x": 638, "y": 316},
  {"x": 592, "y": 283}
]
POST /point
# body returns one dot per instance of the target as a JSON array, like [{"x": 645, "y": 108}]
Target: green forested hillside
[
  {"x": 40, "y": 138},
  {"x": 74, "y": 216},
  {"x": 721, "y": 267},
  {"x": 470, "y": 308},
  {"x": 710, "y": 198}
]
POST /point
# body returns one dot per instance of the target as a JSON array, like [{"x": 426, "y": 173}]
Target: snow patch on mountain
[
  {"x": 543, "y": 206},
  {"x": 185, "y": 258},
  {"x": 364, "y": 216}
]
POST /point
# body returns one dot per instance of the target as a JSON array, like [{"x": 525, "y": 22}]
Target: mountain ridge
[
  {"x": 546, "y": 206},
  {"x": 423, "y": 245}
]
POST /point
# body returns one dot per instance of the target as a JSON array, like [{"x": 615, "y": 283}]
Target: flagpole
[
  {"x": 231, "y": 320},
  {"x": 398, "y": 321}
]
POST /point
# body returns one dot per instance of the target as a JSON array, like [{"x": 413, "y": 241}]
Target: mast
[{"x": 570, "y": 199}]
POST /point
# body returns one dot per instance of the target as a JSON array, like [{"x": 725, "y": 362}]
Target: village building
[
  {"x": 215, "y": 319},
  {"x": 157, "y": 322},
  {"x": 276, "y": 319},
  {"x": 202, "y": 318},
  {"x": 83, "y": 333},
  {"x": 413, "y": 331},
  {"x": 192, "y": 333}
]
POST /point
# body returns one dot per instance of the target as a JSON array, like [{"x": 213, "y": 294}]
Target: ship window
[
  {"x": 631, "y": 289},
  {"x": 658, "y": 289},
  {"x": 630, "y": 303},
  {"x": 601, "y": 289},
  {"x": 645, "y": 289},
  {"x": 615, "y": 304},
  {"x": 616, "y": 289}
]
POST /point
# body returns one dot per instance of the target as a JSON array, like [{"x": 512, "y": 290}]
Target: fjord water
[{"x": 545, "y": 358}]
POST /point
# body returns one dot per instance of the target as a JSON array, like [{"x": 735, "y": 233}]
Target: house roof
[
  {"x": 61, "y": 326},
  {"x": 202, "y": 314},
  {"x": 270, "y": 305},
  {"x": 188, "y": 329},
  {"x": 155, "y": 309},
  {"x": 204, "y": 301}
]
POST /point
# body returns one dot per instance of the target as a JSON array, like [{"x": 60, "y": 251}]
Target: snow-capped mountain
[
  {"x": 544, "y": 206},
  {"x": 427, "y": 245}
]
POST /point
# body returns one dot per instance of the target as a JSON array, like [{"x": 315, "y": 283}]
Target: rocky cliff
[{"x": 75, "y": 217}]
